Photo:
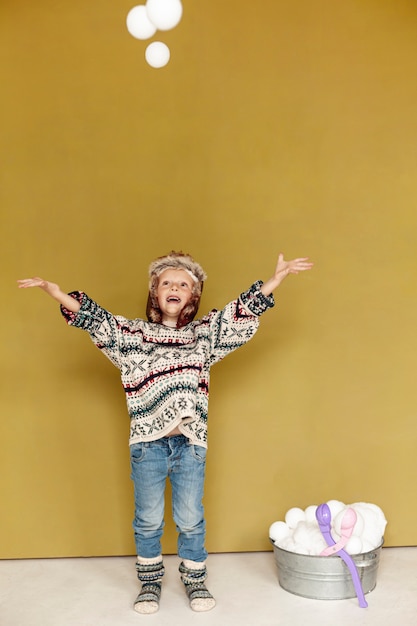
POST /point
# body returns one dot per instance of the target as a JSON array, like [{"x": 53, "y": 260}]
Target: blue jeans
[{"x": 184, "y": 463}]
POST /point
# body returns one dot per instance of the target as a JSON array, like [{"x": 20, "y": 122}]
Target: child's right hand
[
  {"x": 53, "y": 290},
  {"x": 32, "y": 282},
  {"x": 50, "y": 288}
]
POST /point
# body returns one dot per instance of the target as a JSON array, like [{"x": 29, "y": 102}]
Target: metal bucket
[{"x": 325, "y": 577}]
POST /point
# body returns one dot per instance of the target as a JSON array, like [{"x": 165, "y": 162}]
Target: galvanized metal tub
[{"x": 325, "y": 577}]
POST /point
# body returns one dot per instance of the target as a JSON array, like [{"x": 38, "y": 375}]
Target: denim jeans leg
[
  {"x": 149, "y": 473},
  {"x": 187, "y": 473}
]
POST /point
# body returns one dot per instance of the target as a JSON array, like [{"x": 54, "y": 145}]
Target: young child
[{"x": 165, "y": 366}]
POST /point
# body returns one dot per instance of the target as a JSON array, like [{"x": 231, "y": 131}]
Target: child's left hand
[
  {"x": 282, "y": 270},
  {"x": 291, "y": 267}
]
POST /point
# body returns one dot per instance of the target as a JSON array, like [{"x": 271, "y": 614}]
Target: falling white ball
[
  {"x": 138, "y": 23},
  {"x": 165, "y": 14},
  {"x": 157, "y": 54}
]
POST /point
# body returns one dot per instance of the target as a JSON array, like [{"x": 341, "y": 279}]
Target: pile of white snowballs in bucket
[{"x": 300, "y": 532}]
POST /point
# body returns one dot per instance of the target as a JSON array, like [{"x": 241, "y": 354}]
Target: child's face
[{"x": 175, "y": 288}]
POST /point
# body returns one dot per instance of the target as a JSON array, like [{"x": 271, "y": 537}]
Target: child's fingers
[{"x": 30, "y": 282}]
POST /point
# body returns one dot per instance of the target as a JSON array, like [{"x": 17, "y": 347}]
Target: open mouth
[{"x": 173, "y": 299}]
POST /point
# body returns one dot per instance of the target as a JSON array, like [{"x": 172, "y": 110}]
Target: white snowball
[
  {"x": 318, "y": 545},
  {"x": 375, "y": 523},
  {"x": 278, "y": 531},
  {"x": 138, "y": 23},
  {"x": 293, "y": 516},
  {"x": 165, "y": 14},
  {"x": 310, "y": 513},
  {"x": 299, "y": 549},
  {"x": 157, "y": 54},
  {"x": 335, "y": 507},
  {"x": 354, "y": 545},
  {"x": 287, "y": 544},
  {"x": 302, "y": 534},
  {"x": 372, "y": 537}
]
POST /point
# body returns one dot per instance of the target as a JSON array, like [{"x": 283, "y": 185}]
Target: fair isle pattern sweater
[{"x": 165, "y": 371}]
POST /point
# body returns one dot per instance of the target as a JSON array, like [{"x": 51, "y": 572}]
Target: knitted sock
[
  {"x": 150, "y": 572},
  {"x": 193, "y": 576}
]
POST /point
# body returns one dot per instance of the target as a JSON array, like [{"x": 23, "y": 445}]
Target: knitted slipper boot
[
  {"x": 193, "y": 576},
  {"x": 150, "y": 575}
]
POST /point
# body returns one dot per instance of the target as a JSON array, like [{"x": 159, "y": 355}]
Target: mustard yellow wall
[{"x": 276, "y": 126}]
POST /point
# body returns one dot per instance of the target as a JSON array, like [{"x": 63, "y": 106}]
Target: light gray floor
[{"x": 100, "y": 592}]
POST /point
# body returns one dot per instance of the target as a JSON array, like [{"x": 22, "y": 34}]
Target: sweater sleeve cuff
[
  {"x": 87, "y": 314},
  {"x": 255, "y": 301}
]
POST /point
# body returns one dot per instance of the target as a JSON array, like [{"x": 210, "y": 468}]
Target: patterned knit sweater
[{"x": 165, "y": 371}]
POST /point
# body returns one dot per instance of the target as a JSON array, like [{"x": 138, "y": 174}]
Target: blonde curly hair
[{"x": 177, "y": 261}]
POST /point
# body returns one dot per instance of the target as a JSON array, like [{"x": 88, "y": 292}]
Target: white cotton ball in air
[
  {"x": 157, "y": 54},
  {"x": 278, "y": 531},
  {"x": 138, "y": 23},
  {"x": 165, "y": 14},
  {"x": 293, "y": 516}
]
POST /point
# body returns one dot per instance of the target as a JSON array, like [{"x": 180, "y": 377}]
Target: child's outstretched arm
[
  {"x": 52, "y": 290},
  {"x": 282, "y": 270}
]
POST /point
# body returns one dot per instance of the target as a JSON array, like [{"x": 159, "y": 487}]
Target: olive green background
[{"x": 276, "y": 126}]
